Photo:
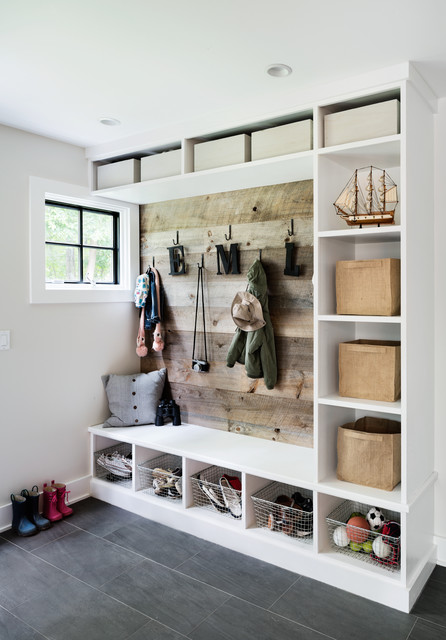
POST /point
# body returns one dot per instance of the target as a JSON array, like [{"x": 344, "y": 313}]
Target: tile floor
[{"x": 106, "y": 574}]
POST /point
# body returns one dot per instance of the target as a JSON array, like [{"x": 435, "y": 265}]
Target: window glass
[
  {"x": 97, "y": 229},
  {"x": 98, "y": 265},
  {"x": 61, "y": 263},
  {"x": 62, "y": 224}
]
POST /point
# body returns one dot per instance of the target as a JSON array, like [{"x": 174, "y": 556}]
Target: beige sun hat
[{"x": 247, "y": 311}]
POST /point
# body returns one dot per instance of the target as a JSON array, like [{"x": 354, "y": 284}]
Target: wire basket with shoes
[
  {"x": 218, "y": 489},
  {"x": 115, "y": 464},
  {"x": 286, "y": 510},
  {"x": 162, "y": 476}
]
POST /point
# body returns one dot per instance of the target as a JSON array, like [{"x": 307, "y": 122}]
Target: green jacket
[{"x": 256, "y": 349}]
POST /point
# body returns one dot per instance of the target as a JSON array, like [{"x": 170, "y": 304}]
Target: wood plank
[{"x": 277, "y": 202}]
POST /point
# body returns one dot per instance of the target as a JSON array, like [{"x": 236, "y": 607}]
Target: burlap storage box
[
  {"x": 368, "y": 287},
  {"x": 369, "y": 453},
  {"x": 370, "y": 369}
]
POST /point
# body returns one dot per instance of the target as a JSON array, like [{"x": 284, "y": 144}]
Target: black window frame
[{"x": 81, "y": 246}]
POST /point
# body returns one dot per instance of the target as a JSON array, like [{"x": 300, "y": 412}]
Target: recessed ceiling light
[
  {"x": 279, "y": 70},
  {"x": 110, "y": 122}
]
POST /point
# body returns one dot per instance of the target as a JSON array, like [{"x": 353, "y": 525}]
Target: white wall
[
  {"x": 50, "y": 380},
  {"x": 440, "y": 330}
]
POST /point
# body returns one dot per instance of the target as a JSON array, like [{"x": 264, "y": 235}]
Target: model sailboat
[{"x": 369, "y": 197}]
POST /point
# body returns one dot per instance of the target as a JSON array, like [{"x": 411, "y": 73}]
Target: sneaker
[{"x": 213, "y": 498}]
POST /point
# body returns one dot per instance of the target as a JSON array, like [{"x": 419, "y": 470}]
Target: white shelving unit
[{"x": 408, "y": 158}]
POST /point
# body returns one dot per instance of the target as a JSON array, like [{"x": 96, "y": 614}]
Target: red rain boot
[
  {"x": 62, "y": 493},
  {"x": 50, "y": 510}
]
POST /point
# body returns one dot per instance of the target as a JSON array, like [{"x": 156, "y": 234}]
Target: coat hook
[
  {"x": 200, "y": 266},
  {"x": 260, "y": 255},
  {"x": 230, "y": 235},
  {"x": 178, "y": 241},
  {"x": 291, "y": 233},
  {"x": 153, "y": 261}
]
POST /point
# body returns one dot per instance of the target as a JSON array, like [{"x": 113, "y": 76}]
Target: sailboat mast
[
  {"x": 384, "y": 191},
  {"x": 356, "y": 192}
]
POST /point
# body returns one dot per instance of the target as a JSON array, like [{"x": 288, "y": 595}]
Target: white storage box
[
  {"x": 362, "y": 123},
  {"x": 119, "y": 173},
  {"x": 278, "y": 141},
  {"x": 223, "y": 152},
  {"x": 161, "y": 165}
]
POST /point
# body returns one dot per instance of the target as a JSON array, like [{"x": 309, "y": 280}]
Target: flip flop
[{"x": 231, "y": 498}]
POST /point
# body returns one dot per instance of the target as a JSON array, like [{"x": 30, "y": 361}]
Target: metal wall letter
[
  {"x": 228, "y": 261},
  {"x": 177, "y": 264},
  {"x": 290, "y": 270}
]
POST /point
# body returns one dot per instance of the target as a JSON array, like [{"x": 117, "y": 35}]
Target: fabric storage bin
[
  {"x": 208, "y": 491},
  {"x": 369, "y": 452},
  {"x": 161, "y": 165},
  {"x": 272, "y": 512},
  {"x": 279, "y": 141},
  {"x": 362, "y": 123},
  {"x": 368, "y": 287},
  {"x": 162, "y": 476},
  {"x": 370, "y": 369},
  {"x": 223, "y": 152},
  {"x": 116, "y": 174},
  {"x": 114, "y": 463},
  {"x": 372, "y": 547}
]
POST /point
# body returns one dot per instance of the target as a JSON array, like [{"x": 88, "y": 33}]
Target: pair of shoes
[
  {"x": 54, "y": 501},
  {"x": 232, "y": 497},
  {"x": 167, "y": 482},
  {"x": 117, "y": 464},
  {"x": 227, "y": 500},
  {"x": 26, "y": 518}
]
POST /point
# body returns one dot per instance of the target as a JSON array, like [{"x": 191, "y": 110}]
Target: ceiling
[{"x": 155, "y": 63}]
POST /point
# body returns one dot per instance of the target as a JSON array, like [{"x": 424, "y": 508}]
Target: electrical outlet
[{"x": 5, "y": 340}]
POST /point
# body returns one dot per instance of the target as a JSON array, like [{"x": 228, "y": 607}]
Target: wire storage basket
[
  {"x": 380, "y": 547},
  {"x": 286, "y": 510},
  {"x": 218, "y": 489},
  {"x": 114, "y": 464},
  {"x": 162, "y": 476}
]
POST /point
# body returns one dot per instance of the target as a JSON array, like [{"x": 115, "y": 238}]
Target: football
[{"x": 375, "y": 518}]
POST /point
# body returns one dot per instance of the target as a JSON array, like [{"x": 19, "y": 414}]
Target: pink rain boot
[
  {"x": 50, "y": 510},
  {"x": 62, "y": 494}
]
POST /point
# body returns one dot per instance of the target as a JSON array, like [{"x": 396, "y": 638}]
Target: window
[
  {"x": 81, "y": 245},
  {"x": 82, "y": 248}
]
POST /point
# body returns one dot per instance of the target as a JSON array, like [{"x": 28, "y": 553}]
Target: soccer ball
[{"x": 375, "y": 518}]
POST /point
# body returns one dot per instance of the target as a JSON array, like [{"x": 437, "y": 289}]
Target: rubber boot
[
  {"x": 62, "y": 494},
  {"x": 50, "y": 510},
  {"x": 32, "y": 508},
  {"x": 20, "y": 523}
]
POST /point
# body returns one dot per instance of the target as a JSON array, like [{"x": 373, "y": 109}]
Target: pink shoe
[
  {"x": 62, "y": 494},
  {"x": 50, "y": 510}
]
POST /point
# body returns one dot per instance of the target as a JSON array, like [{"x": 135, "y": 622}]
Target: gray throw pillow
[{"x": 133, "y": 399}]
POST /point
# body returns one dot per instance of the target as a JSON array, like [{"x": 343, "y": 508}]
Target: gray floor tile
[
  {"x": 11, "y": 628},
  {"x": 158, "y": 542},
  {"x": 87, "y": 557},
  {"x": 59, "y": 529},
  {"x": 427, "y": 631},
  {"x": 439, "y": 574},
  {"x": 155, "y": 631},
  {"x": 76, "y": 611},
  {"x": 340, "y": 614},
  {"x": 239, "y": 620},
  {"x": 253, "y": 580},
  {"x": 431, "y": 605},
  {"x": 173, "y": 599},
  {"x": 23, "y": 576},
  {"x": 100, "y": 517}
]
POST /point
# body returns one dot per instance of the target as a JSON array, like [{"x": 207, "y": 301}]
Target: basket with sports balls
[
  {"x": 369, "y": 534},
  {"x": 286, "y": 510}
]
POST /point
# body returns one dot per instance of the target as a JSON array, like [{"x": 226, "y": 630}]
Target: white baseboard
[
  {"x": 79, "y": 489},
  {"x": 440, "y": 541}
]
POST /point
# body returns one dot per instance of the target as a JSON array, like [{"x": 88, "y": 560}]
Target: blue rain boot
[
  {"x": 32, "y": 508},
  {"x": 20, "y": 523}
]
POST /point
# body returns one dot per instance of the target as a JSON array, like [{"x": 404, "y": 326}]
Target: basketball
[{"x": 358, "y": 529}]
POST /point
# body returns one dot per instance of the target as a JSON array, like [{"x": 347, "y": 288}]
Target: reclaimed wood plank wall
[{"x": 225, "y": 398}]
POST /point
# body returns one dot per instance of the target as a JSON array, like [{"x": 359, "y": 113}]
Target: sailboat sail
[{"x": 369, "y": 197}]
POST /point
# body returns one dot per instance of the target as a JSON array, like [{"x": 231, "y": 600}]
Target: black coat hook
[
  {"x": 291, "y": 233},
  {"x": 230, "y": 234},
  {"x": 260, "y": 255},
  {"x": 178, "y": 241},
  {"x": 153, "y": 261}
]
